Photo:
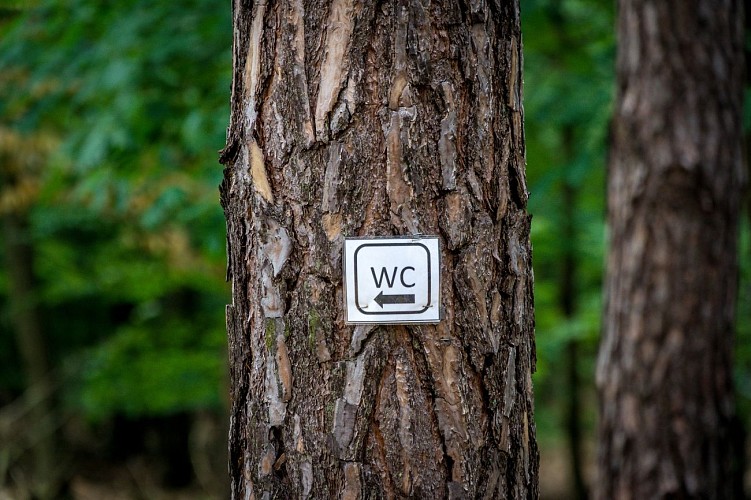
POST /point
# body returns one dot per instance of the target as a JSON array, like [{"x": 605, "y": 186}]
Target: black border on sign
[{"x": 387, "y": 313}]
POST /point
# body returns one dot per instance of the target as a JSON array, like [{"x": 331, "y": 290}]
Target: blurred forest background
[{"x": 112, "y": 292}]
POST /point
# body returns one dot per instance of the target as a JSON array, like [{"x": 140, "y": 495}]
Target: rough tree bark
[
  {"x": 675, "y": 181},
  {"x": 358, "y": 118}
]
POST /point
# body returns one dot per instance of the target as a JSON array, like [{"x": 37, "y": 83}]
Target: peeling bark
[
  {"x": 354, "y": 118},
  {"x": 664, "y": 374}
]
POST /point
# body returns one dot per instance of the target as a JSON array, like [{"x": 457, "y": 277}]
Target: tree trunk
[
  {"x": 26, "y": 321},
  {"x": 357, "y": 118},
  {"x": 568, "y": 300},
  {"x": 676, "y": 175}
]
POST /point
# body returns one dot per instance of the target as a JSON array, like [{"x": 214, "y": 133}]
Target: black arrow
[{"x": 395, "y": 299}]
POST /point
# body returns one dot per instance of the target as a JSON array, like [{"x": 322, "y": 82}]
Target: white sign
[{"x": 392, "y": 280}]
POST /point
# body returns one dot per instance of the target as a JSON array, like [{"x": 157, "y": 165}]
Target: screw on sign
[{"x": 392, "y": 280}]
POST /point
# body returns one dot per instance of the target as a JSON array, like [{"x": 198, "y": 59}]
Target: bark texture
[
  {"x": 358, "y": 118},
  {"x": 675, "y": 181}
]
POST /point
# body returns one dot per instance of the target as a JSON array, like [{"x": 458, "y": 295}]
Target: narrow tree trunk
[
  {"x": 568, "y": 300},
  {"x": 354, "y": 118},
  {"x": 675, "y": 181},
  {"x": 26, "y": 320}
]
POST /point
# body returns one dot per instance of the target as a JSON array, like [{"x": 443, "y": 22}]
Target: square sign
[{"x": 392, "y": 280}]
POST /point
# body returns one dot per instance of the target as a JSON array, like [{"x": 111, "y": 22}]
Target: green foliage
[
  {"x": 125, "y": 221},
  {"x": 569, "y": 54},
  {"x": 139, "y": 371}
]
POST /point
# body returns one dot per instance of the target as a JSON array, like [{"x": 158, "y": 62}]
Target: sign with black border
[{"x": 392, "y": 280}]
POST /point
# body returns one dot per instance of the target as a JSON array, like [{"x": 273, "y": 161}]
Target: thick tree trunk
[
  {"x": 665, "y": 364},
  {"x": 358, "y": 118}
]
